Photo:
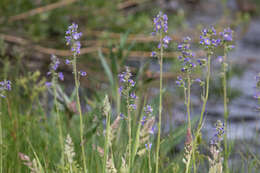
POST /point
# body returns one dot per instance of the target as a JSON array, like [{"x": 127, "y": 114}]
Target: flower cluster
[
  {"x": 227, "y": 38},
  {"x": 187, "y": 57},
  {"x": 217, "y": 138},
  {"x": 4, "y": 86},
  {"x": 127, "y": 84},
  {"x": 257, "y": 94},
  {"x": 148, "y": 112},
  {"x": 160, "y": 23},
  {"x": 55, "y": 62},
  {"x": 72, "y": 37},
  {"x": 208, "y": 39},
  {"x": 180, "y": 82}
]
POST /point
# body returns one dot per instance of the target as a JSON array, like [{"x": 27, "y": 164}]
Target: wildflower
[
  {"x": 72, "y": 37},
  {"x": 208, "y": 39},
  {"x": 126, "y": 82},
  {"x": 152, "y": 130},
  {"x": 201, "y": 62},
  {"x": 83, "y": 73},
  {"x": 48, "y": 84},
  {"x": 143, "y": 120},
  {"x": 257, "y": 95},
  {"x": 122, "y": 115},
  {"x": 160, "y": 22},
  {"x": 227, "y": 34},
  {"x": 220, "y": 59},
  {"x": 132, "y": 106},
  {"x": 148, "y": 110},
  {"x": 219, "y": 133},
  {"x": 166, "y": 41},
  {"x": 4, "y": 86},
  {"x": 54, "y": 62},
  {"x": 148, "y": 146},
  {"x": 187, "y": 57},
  {"x": 180, "y": 81},
  {"x": 133, "y": 96},
  {"x": 153, "y": 54},
  {"x": 61, "y": 76},
  {"x": 67, "y": 61}
]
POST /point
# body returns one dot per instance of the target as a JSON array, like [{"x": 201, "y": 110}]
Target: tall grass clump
[{"x": 4, "y": 86}]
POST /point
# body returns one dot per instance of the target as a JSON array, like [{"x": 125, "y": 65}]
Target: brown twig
[
  {"x": 40, "y": 10},
  {"x": 59, "y": 52}
]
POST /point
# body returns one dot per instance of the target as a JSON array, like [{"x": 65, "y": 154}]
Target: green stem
[
  {"x": 54, "y": 80},
  {"x": 205, "y": 100},
  {"x": 225, "y": 112},
  {"x": 160, "y": 107},
  {"x": 106, "y": 141},
  {"x": 205, "y": 97},
  {"x": 188, "y": 101},
  {"x": 149, "y": 160},
  {"x": 1, "y": 144},
  {"x": 80, "y": 113},
  {"x": 129, "y": 135}
]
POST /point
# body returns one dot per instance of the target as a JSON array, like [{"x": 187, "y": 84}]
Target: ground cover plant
[{"x": 119, "y": 132}]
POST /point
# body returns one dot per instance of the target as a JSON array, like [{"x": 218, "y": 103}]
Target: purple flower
[
  {"x": 132, "y": 106},
  {"x": 217, "y": 138},
  {"x": 5, "y": 85},
  {"x": 160, "y": 22},
  {"x": 166, "y": 40},
  {"x": 148, "y": 110},
  {"x": 153, "y": 54},
  {"x": 257, "y": 95},
  {"x": 220, "y": 59},
  {"x": 54, "y": 62},
  {"x": 67, "y": 61},
  {"x": 72, "y": 37},
  {"x": 143, "y": 120},
  {"x": 179, "y": 81},
  {"x": 152, "y": 130},
  {"x": 198, "y": 80},
  {"x": 132, "y": 83},
  {"x": 48, "y": 84},
  {"x": 227, "y": 34},
  {"x": 148, "y": 146},
  {"x": 122, "y": 115},
  {"x": 133, "y": 96},
  {"x": 61, "y": 76},
  {"x": 120, "y": 90},
  {"x": 83, "y": 73}
]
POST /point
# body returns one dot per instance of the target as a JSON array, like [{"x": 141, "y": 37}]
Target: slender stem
[
  {"x": 205, "y": 97},
  {"x": 188, "y": 165},
  {"x": 205, "y": 100},
  {"x": 189, "y": 122},
  {"x": 1, "y": 144},
  {"x": 188, "y": 101},
  {"x": 106, "y": 141},
  {"x": 149, "y": 160},
  {"x": 160, "y": 107},
  {"x": 225, "y": 112},
  {"x": 54, "y": 80},
  {"x": 80, "y": 113},
  {"x": 129, "y": 134}
]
